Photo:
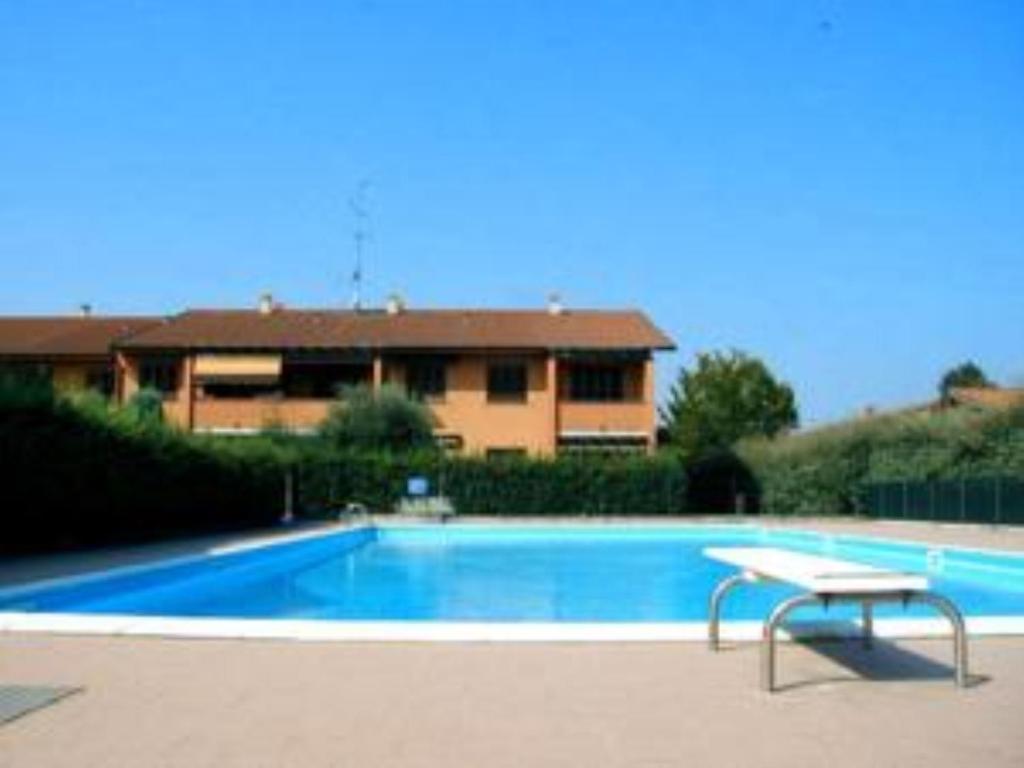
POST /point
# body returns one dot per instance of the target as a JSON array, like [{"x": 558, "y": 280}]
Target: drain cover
[{"x": 18, "y": 700}]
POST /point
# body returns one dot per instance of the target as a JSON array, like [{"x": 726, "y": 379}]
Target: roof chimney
[
  {"x": 555, "y": 306},
  {"x": 266, "y": 305},
  {"x": 85, "y": 310},
  {"x": 395, "y": 304}
]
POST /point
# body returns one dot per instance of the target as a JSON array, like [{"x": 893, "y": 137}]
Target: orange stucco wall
[
  {"x": 482, "y": 425},
  {"x": 605, "y": 417},
  {"x": 465, "y": 411},
  {"x": 177, "y": 405},
  {"x": 69, "y": 376},
  {"x": 256, "y": 414}
]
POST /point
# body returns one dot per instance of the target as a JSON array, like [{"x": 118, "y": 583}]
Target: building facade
[
  {"x": 496, "y": 381},
  {"x": 72, "y": 352}
]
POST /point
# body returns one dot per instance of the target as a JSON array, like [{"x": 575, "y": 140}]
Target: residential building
[
  {"x": 534, "y": 382},
  {"x": 997, "y": 398},
  {"x": 73, "y": 352}
]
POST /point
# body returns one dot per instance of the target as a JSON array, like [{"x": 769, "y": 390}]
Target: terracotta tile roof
[
  {"x": 409, "y": 329},
  {"x": 41, "y": 337},
  {"x": 987, "y": 397}
]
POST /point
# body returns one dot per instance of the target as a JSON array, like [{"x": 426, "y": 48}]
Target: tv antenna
[{"x": 357, "y": 203}]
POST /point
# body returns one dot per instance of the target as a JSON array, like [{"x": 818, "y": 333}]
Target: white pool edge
[
  {"x": 219, "y": 550},
  {"x": 468, "y": 632}
]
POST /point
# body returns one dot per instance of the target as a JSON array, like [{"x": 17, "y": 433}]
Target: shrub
[
  {"x": 717, "y": 482},
  {"x": 382, "y": 420},
  {"x": 503, "y": 487},
  {"x": 75, "y": 472},
  {"x": 967, "y": 374},
  {"x": 824, "y": 472},
  {"x": 146, "y": 405}
]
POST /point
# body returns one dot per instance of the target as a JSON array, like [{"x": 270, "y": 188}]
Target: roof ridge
[
  {"x": 411, "y": 310},
  {"x": 78, "y": 318}
]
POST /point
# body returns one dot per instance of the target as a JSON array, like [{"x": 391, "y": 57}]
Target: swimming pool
[{"x": 633, "y": 578}]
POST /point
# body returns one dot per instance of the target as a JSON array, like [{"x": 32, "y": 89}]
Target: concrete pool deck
[{"x": 160, "y": 702}]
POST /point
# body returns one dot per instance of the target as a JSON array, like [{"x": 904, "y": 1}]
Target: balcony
[
  {"x": 635, "y": 416},
  {"x": 255, "y": 414}
]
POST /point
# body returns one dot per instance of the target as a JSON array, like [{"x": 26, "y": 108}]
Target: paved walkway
[{"x": 152, "y": 702}]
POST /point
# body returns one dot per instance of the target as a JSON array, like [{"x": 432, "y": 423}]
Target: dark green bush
[
  {"x": 75, "y": 472},
  {"x": 825, "y": 472},
  {"x": 721, "y": 483},
  {"x": 385, "y": 419},
  {"x": 508, "y": 486},
  {"x": 146, "y": 404}
]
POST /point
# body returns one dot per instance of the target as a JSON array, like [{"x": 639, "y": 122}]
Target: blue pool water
[{"x": 482, "y": 573}]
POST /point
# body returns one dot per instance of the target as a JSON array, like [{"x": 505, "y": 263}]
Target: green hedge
[
  {"x": 827, "y": 471},
  {"x": 77, "y": 472},
  {"x": 82, "y": 474},
  {"x": 502, "y": 487}
]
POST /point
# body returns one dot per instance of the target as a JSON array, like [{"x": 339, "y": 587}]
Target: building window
[
  {"x": 323, "y": 380},
  {"x": 449, "y": 443},
  {"x": 229, "y": 390},
  {"x": 506, "y": 382},
  {"x": 26, "y": 373},
  {"x": 101, "y": 379},
  {"x": 425, "y": 379},
  {"x": 602, "y": 444},
  {"x": 597, "y": 383},
  {"x": 161, "y": 375},
  {"x": 506, "y": 453}
]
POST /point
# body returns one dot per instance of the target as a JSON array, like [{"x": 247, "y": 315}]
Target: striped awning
[{"x": 237, "y": 368}]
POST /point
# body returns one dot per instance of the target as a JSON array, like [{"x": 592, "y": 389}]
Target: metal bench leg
[
  {"x": 773, "y": 622},
  {"x": 867, "y": 623},
  {"x": 956, "y": 619},
  {"x": 715, "y": 608}
]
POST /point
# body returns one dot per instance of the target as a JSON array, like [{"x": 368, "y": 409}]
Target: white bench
[{"x": 826, "y": 581}]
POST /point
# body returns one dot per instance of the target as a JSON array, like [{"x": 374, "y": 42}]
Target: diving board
[{"x": 825, "y": 581}]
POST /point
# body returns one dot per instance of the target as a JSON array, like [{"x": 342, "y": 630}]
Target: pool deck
[
  {"x": 182, "y": 702},
  {"x": 156, "y": 702}
]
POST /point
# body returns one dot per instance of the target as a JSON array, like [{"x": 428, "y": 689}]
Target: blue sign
[{"x": 417, "y": 486}]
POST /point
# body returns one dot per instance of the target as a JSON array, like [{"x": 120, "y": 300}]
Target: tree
[
  {"x": 966, "y": 374},
  {"x": 383, "y": 420},
  {"x": 728, "y": 396},
  {"x": 146, "y": 405}
]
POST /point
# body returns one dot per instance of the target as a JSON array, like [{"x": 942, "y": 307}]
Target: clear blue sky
[{"x": 837, "y": 187}]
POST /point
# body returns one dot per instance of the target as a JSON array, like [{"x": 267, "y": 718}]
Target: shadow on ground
[{"x": 884, "y": 661}]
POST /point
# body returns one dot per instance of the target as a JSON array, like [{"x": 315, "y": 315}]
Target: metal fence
[{"x": 994, "y": 500}]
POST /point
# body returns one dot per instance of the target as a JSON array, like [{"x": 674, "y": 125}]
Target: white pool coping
[
  {"x": 219, "y": 550},
  {"x": 474, "y": 632},
  {"x": 453, "y": 631}
]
